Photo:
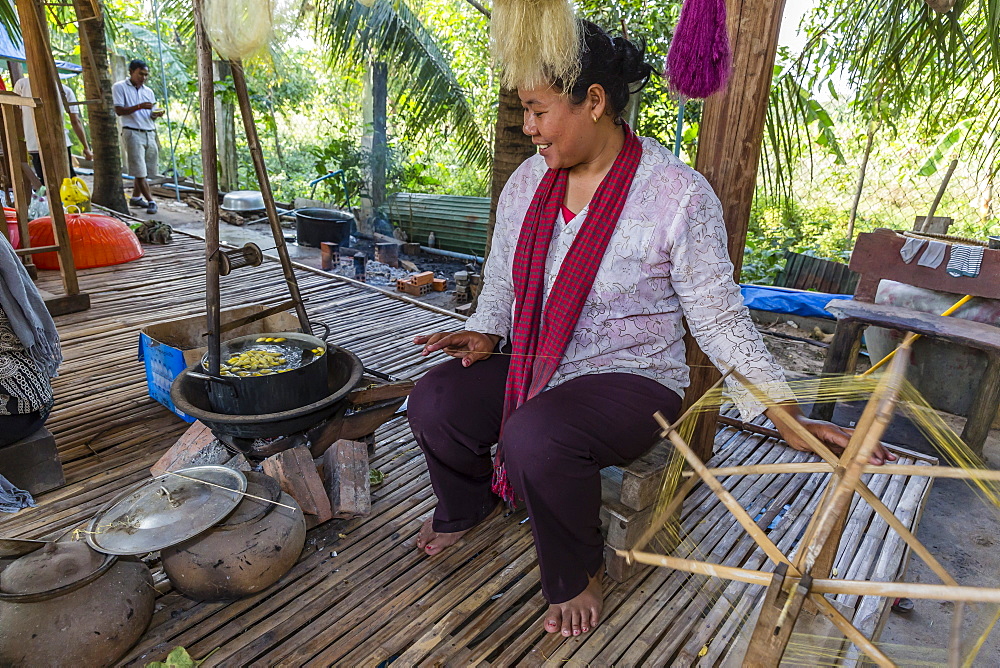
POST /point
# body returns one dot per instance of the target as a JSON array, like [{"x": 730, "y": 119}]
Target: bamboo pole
[
  {"x": 257, "y": 156},
  {"x": 924, "y": 470},
  {"x": 940, "y": 193},
  {"x": 933, "y": 592},
  {"x": 856, "y": 455}
]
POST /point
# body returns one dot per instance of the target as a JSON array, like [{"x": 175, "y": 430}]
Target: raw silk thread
[{"x": 699, "y": 59}]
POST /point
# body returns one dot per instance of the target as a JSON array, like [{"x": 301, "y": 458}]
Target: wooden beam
[
  {"x": 729, "y": 145},
  {"x": 12, "y": 99},
  {"x": 210, "y": 178},
  {"x": 49, "y": 123}
]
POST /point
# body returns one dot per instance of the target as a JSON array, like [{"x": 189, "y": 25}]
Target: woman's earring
[{"x": 596, "y": 118}]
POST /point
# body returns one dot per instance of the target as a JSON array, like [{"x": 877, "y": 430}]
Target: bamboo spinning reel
[
  {"x": 804, "y": 578},
  {"x": 250, "y": 255}
]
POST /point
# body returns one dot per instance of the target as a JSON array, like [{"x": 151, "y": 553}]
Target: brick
[
  {"x": 413, "y": 289},
  {"x": 296, "y": 473},
  {"x": 439, "y": 284},
  {"x": 410, "y": 248},
  {"x": 345, "y": 468},
  {"x": 423, "y": 278},
  {"x": 196, "y": 447}
]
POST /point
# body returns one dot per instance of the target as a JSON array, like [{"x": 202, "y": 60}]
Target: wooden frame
[
  {"x": 802, "y": 582},
  {"x": 52, "y": 151}
]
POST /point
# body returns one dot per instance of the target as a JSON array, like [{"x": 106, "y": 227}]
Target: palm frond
[
  {"x": 8, "y": 18},
  {"x": 792, "y": 114},
  {"x": 428, "y": 95}
]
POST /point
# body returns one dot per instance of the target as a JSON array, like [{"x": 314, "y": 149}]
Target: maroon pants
[{"x": 554, "y": 448}]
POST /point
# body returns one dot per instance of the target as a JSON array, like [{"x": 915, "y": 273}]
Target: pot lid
[
  {"x": 55, "y": 566},
  {"x": 16, "y": 547},
  {"x": 258, "y": 484},
  {"x": 166, "y": 510}
]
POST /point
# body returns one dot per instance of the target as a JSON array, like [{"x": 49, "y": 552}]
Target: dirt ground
[{"x": 958, "y": 526}]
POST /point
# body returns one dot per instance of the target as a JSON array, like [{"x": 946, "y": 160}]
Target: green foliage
[
  {"x": 178, "y": 658},
  {"x": 427, "y": 96},
  {"x": 762, "y": 261},
  {"x": 942, "y": 150}
]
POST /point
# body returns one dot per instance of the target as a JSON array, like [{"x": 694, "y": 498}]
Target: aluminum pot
[
  {"x": 303, "y": 384},
  {"x": 246, "y": 552},
  {"x": 243, "y": 200},
  {"x": 67, "y": 605}
]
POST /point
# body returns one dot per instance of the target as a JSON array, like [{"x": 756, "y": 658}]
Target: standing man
[
  {"x": 135, "y": 105},
  {"x": 22, "y": 87}
]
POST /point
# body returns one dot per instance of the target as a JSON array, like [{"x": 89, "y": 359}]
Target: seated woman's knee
[
  {"x": 534, "y": 441},
  {"x": 441, "y": 397}
]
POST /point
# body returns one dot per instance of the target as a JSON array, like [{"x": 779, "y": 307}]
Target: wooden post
[
  {"x": 729, "y": 145},
  {"x": 210, "y": 184},
  {"x": 16, "y": 151},
  {"x": 49, "y": 124},
  {"x": 380, "y": 147}
]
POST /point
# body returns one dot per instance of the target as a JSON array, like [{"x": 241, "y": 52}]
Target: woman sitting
[
  {"x": 603, "y": 242},
  {"x": 29, "y": 351}
]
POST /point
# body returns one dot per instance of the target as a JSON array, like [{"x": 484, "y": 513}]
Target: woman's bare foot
[
  {"x": 432, "y": 542},
  {"x": 579, "y": 614}
]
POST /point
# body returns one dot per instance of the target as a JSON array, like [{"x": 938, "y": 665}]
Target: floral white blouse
[{"x": 666, "y": 259}]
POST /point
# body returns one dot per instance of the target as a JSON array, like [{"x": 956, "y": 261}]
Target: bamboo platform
[{"x": 361, "y": 595}]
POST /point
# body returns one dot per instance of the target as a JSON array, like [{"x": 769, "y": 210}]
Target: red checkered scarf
[{"x": 539, "y": 338}]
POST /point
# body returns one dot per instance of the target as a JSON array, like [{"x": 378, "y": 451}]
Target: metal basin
[
  {"x": 344, "y": 370},
  {"x": 243, "y": 200}
]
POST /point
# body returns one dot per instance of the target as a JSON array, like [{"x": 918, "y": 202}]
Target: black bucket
[{"x": 314, "y": 226}]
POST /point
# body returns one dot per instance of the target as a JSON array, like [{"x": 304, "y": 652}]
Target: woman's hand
[
  {"x": 836, "y": 438},
  {"x": 470, "y": 347}
]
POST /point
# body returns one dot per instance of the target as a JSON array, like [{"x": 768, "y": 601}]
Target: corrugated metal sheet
[
  {"x": 804, "y": 272},
  {"x": 459, "y": 223}
]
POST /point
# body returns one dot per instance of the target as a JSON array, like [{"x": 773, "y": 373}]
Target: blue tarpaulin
[
  {"x": 12, "y": 48},
  {"x": 787, "y": 300}
]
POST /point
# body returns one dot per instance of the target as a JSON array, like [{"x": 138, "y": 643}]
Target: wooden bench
[
  {"x": 876, "y": 257},
  {"x": 628, "y": 494}
]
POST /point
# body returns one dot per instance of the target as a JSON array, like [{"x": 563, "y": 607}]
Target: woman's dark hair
[
  {"x": 614, "y": 63},
  {"x": 136, "y": 64}
]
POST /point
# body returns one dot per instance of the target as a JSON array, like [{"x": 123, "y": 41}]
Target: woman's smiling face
[{"x": 562, "y": 131}]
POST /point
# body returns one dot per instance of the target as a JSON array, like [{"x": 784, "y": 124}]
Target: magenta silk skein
[{"x": 699, "y": 58}]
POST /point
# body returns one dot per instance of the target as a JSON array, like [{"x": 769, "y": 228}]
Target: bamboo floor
[{"x": 360, "y": 594}]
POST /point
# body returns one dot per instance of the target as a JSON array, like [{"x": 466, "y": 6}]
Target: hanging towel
[
  {"x": 12, "y": 498},
  {"x": 934, "y": 255},
  {"x": 965, "y": 261},
  {"x": 910, "y": 248}
]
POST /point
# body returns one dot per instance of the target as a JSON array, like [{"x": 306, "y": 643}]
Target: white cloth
[
  {"x": 666, "y": 259},
  {"x": 910, "y": 248},
  {"x": 124, "y": 94},
  {"x": 22, "y": 87},
  {"x": 934, "y": 254}
]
